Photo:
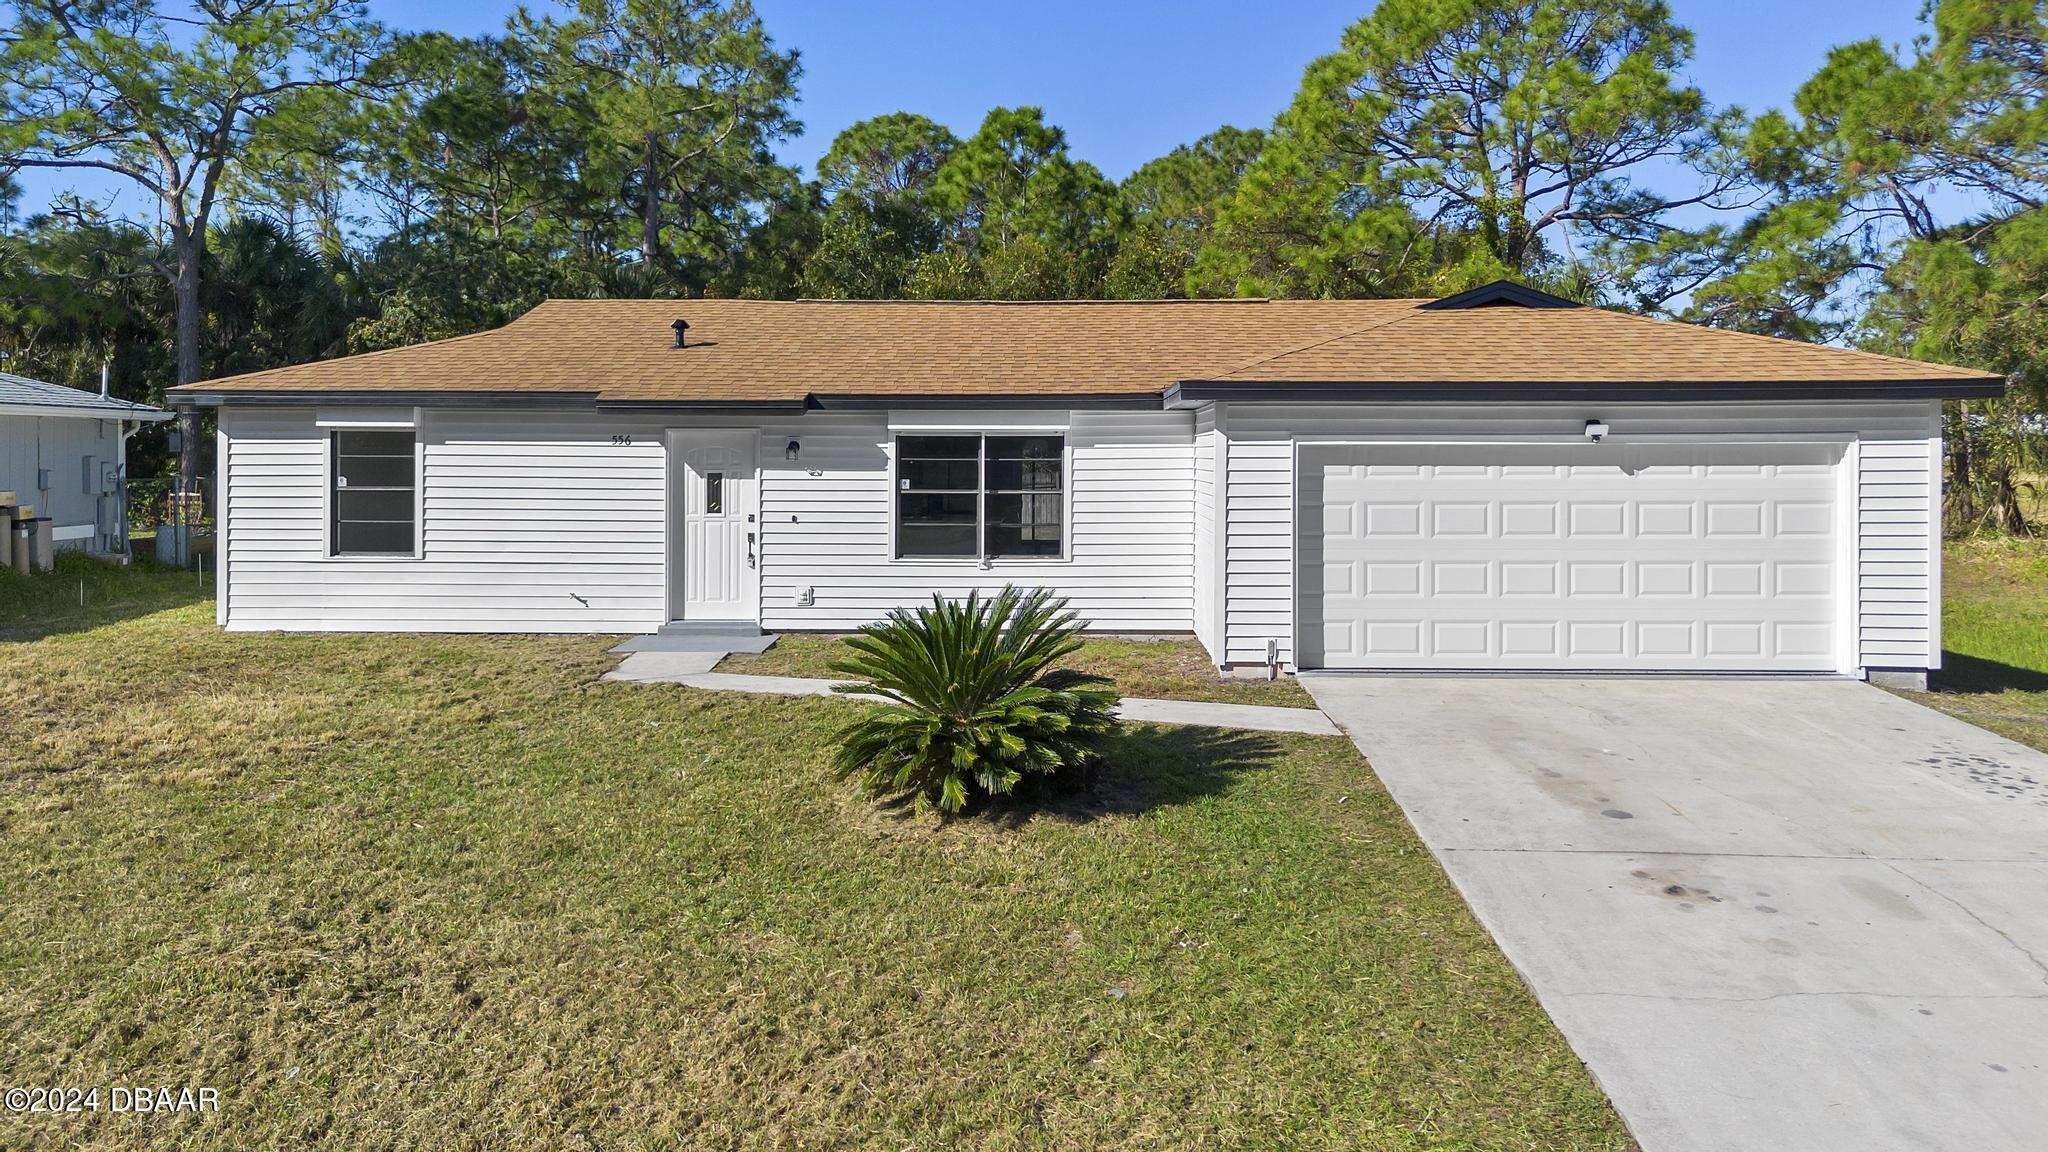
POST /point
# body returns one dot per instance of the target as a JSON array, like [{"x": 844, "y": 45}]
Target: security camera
[{"x": 1595, "y": 431}]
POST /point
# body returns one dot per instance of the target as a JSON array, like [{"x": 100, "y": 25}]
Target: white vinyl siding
[
  {"x": 521, "y": 514},
  {"x": 1897, "y": 558},
  {"x": 825, "y": 526},
  {"x": 1896, "y": 446}
]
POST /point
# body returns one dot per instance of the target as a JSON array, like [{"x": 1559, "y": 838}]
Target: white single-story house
[
  {"x": 65, "y": 451},
  {"x": 1500, "y": 480}
]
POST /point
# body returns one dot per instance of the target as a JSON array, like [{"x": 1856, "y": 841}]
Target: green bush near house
[{"x": 977, "y": 703}]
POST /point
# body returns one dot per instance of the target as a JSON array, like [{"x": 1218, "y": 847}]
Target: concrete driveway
[{"x": 1790, "y": 914}]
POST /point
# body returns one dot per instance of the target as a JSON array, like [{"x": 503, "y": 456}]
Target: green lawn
[
  {"x": 1169, "y": 668},
  {"x": 456, "y": 893},
  {"x": 1994, "y": 629},
  {"x": 84, "y": 591}
]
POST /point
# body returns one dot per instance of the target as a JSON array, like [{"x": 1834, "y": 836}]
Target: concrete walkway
[
  {"x": 1790, "y": 914},
  {"x": 692, "y": 670}
]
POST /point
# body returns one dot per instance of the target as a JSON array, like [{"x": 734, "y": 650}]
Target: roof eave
[
  {"x": 1187, "y": 393},
  {"x": 87, "y": 412},
  {"x": 358, "y": 397},
  {"x": 876, "y": 402},
  {"x": 702, "y": 406}
]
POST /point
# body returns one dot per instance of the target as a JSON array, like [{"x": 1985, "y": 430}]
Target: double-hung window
[
  {"x": 372, "y": 500},
  {"x": 980, "y": 497}
]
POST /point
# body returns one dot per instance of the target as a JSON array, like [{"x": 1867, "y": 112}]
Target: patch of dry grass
[
  {"x": 434, "y": 892},
  {"x": 1167, "y": 668}
]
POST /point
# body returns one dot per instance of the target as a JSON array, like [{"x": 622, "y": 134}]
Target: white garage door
[{"x": 1581, "y": 557}]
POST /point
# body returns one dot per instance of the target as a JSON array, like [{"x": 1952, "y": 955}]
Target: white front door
[
  {"x": 715, "y": 537},
  {"x": 1616, "y": 557}
]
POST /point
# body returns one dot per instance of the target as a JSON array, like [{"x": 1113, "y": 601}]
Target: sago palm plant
[{"x": 974, "y": 700}]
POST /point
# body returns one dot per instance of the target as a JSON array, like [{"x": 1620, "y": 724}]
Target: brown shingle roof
[
  {"x": 1574, "y": 346},
  {"x": 752, "y": 351}
]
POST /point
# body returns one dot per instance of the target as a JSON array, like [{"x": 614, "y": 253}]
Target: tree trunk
[
  {"x": 1962, "y": 485},
  {"x": 650, "y": 207},
  {"x": 189, "y": 246}
]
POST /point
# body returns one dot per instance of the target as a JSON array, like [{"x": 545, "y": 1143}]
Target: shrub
[{"x": 975, "y": 701}]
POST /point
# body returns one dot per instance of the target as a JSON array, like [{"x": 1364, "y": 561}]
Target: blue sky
[{"x": 1129, "y": 79}]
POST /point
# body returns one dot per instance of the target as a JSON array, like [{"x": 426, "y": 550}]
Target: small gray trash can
[
  {"x": 174, "y": 545},
  {"x": 20, "y": 532}
]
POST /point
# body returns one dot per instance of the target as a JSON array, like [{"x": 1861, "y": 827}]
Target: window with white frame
[
  {"x": 373, "y": 498},
  {"x": 974, "y": 497}
]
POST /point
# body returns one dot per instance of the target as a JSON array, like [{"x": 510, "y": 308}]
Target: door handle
[{"x": 750, "y": 549}]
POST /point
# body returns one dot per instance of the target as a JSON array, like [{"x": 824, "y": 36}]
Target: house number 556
[{"x": 618, "y": 441}]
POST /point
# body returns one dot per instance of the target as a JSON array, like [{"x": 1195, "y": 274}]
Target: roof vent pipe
[
  {"x": 681, "y": 326},
  {"x": 103, "y": 379}
]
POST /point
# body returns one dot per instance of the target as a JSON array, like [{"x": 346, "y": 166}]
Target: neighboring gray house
[
  {"x": 65, "y": 451},
  {"x": 1499, "y": 480}
]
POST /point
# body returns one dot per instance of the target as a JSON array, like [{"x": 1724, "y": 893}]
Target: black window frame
[
  {"x": 338, "y": 488},
  {"x": 984, "y": 491}
]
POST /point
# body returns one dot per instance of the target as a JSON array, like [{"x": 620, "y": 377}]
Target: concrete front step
[
  {"x": 742, "y": 628},
  {"x": 695, "y": 642}
]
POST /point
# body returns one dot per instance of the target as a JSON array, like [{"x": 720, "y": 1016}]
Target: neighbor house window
[
  {"x": 373, "y": 498},
  {"x": 967, "y": 497}
]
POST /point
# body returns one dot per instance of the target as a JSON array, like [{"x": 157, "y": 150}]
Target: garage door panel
[
  {"x": 1735, "y": 638},
  {"x": 1595, "y": 579},
  {"x": 1604, "y": 519},
  {"x": 1393, "y": 638},
  {"x": 1667, "y": 578},
  {"x": 1795, "y": 579},
  {"x": 1397, "y": 579},
  {"x": 1745, "y": 578},
  {"x": 1675, "y": 639},
  {"x": 1521, "y": 520},
  {"x": 1531, "y": 639},
  {"x": 1392, "y": 520},
  {"x": 1453, "y": 639},
  {"x": 1469, "y": 518},
  {"x": 1529, "y": 578},
  {"x": 1594, "y": 557},
  {"x": 1805, "y": 639},
  {"x": 1665, "y": 518},
  {"x": 1804, "y": 518}
]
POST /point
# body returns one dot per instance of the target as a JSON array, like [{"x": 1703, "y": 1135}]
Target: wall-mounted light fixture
[
  {"x": 1595, "y": 430},
  {"x": 793, "y": 451}
]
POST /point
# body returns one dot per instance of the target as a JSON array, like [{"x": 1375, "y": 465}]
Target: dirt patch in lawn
[{"x": 1168, "y": 668}]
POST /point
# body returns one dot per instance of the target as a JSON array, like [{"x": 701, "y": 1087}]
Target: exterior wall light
[
  {"x": 1595, "y": 431},
  {"x": 793, "y": 451}
]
